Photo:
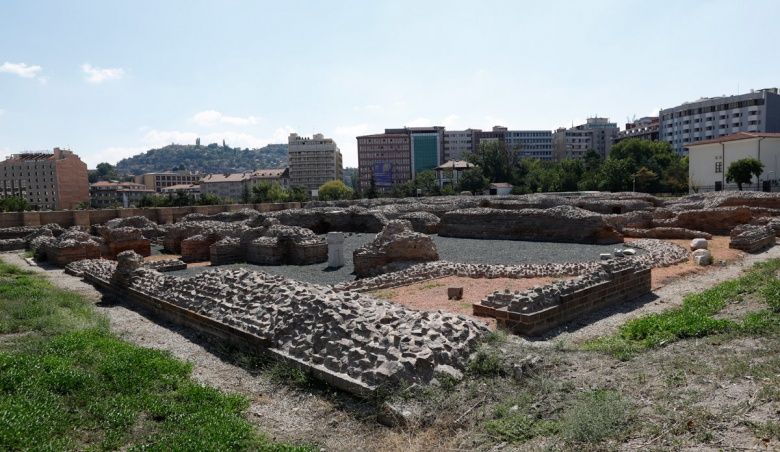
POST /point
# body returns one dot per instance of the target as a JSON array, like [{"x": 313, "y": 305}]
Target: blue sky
[{"x": 110, "y": 79}]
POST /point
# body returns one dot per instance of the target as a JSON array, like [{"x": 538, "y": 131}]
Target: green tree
[
  {"x": 742, "y": 171},
  {"x": 14, "y": 204},
  {"x": 426, "y": 182},
  {"x": 473, "y": 180},
  {"x": 210, "y": 199},
  {"x": 615, "y": 175},
  {"x": 297, "y": 194},
  {"x": 644, "y": 178},
  {"x": 497, "y": 162},
  {"x": 334, "y": 190}
]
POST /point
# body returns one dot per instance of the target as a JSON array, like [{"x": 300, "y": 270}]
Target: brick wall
[{"x": 626, "y": 285}]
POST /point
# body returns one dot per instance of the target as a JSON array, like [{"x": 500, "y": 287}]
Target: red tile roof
[{"x": 735, "y": 137}]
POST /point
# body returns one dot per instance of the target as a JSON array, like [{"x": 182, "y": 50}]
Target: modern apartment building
[
  {"x": 384, "y": 160},
  {"x": 458, "y": 143},
  {"x": 106, "y": 194},
  {"x": 48, "y": 181},
  {"x": 597, "y": 134},
  {"x": 714, "y": 117},
  {"x": 646, "y": 128},
  {"x": 236, "y": 185},
  {"x": 188, "y": 189},
  {"x": 535, "y": 144},
  {"x": 313, "y": 161},
  {"x": 158, "y": 181}
]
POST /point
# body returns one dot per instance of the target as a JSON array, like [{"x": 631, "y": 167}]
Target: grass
[
  {"x": 595, "y": 416},
  {"x": 696, "y": 316},
  {"x": 515, "y": 421},
  {"x": 66, "y": 382}
]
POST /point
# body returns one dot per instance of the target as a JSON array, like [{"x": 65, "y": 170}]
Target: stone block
[
  {"x": 699, "y": 244},
  {"x": 454, "y": 293}
]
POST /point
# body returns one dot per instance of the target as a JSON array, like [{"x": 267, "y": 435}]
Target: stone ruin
[
  {"x": 665, "y": 232},
  {"x": 106, "y": 266},
  {"x": 327, "y": 219},
  {"x": 124, "y": 238},
  {"x": 534, "y": 311},
  {"x": 351, "y": 340},
  {"x": 424, "y": 222},
  {"x": 271, "y": 243},
  {"x": 149, "y": 229},
  {"x": 72, "y": 245},
  {"x": 556, "y": 224},
  {"x": 752, "y": 238},
  {"x": 395, "y": 248},
  {"x": 657, "y": 253},
  {"x": 19, "y": 238}
]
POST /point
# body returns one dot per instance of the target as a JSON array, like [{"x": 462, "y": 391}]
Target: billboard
[{"x": 383, "y": 174}]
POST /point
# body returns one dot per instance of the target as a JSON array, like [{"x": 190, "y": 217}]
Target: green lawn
[
  {"x": 66, "y": 382},
  {"x": 696, "y": 317}
]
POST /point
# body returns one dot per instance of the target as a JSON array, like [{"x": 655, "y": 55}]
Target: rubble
[
  {"x": 396, "y": 247},
  {"x": 752, "y": 238},
  {"x": 665, "y": 232}
]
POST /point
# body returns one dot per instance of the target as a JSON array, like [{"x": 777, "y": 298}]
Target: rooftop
[{"x": 735, "y": 137}]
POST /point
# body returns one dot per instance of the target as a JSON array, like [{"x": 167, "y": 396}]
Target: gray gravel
[{"x": 467, "y": 251}]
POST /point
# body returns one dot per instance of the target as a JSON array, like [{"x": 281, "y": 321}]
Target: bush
[{"x": 334, "y": 190}]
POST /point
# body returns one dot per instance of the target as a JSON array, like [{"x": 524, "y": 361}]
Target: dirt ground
[
  {"x": 691, "y": 395},
  {"x": 432, "y": 295}
]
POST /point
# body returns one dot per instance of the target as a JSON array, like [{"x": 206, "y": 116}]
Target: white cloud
[
  {"x": 213, "y": 117},
  {"x": 99, "y": 75},
  {"x": 21, "y": 69},
  {"x": 373, "y": 108}
]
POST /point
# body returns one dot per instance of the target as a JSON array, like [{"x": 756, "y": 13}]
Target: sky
[{"x": 110, "y": 79}]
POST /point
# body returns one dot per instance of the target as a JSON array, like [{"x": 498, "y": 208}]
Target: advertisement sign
[{"x": 383, "y": 174}]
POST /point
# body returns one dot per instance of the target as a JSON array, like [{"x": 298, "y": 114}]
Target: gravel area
[{"x": 467, "y": 251}]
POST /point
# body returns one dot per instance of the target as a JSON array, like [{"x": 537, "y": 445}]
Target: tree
[
  {"x": 426, "y": 182},
  {"x": 14, "y": 204},
  {"x": 497, "y": 162},
  {"x": 473, "y": 180},
  {"x": 643, "y": 178},
  {"x": 334, "y": 190},
  {"x": 615, "y": 175},
  {"x": 742, "y": 171},
  {"x": 297, "y": 194}
]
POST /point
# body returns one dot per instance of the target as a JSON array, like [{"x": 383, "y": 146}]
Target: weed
[
  {"x": 497, "y": 336},
  {"x": 486, "y": 362},
  {"x": 290, "y": 375},
  {"x": 595, "y": 416},
  {"x": 768, "y": 429},
  {"x": 514, "y": 421},
  {"x": 385, "y": 294},
  {"x": 431, "y": 285}
]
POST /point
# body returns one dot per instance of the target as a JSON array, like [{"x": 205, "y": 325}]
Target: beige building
[
  {"x": 48, "y": 181},
  {"x": 235, "y": 185},
  {"x": 313, "y": 161},
  {"x": 188, "y": 189},
  {"x": 158, "y": 181},
  {"x": 708, "y": 161},
  {"x": 105, "y": 194}
]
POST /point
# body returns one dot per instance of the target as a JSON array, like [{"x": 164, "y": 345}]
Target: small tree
[
  {"x": 334, "y": 190},
  {"x": 473, "y": 180},
  {"x": 14, "y": 204},
  {"x": 742, "y": 171}
]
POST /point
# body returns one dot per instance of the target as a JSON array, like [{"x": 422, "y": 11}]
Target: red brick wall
[{"x": 72, "y": 182}]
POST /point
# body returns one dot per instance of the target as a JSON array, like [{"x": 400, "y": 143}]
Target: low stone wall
[
  {"x": 12, "y": 244},
  {"x": 720, "y": 220},
  {"x": 536, "y": 311},
  {"x": 557, "y": 224},
  {"x": 352, "y": 341},
  {"x": 666, "y": 233},
  {"x": 161, "y": 215},
  {"x": 752, "y": 238}
]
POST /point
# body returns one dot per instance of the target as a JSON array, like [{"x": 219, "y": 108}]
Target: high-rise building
[
  {"x": 427, "y": 146},
  {"x": 713, "y": 117},
  {"x": 384, "y": 160},
  {"x": 313, "y": 161},
  {"x": 56, "y": 180},
  {"x": 597, "y": 134},
  {"x": 158, "y": 181},
  {"x": 534, "y": 144},
  {"x": 458, "y": 143},
  {"x": 646, "y": 128}
]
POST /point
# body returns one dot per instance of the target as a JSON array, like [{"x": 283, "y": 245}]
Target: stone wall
[
  {"x": 557, "y": 224},
  {"x": 12, "y": 244},
  {"x": 395, "y": 248},
  {"x": 752, "y": 238},
  {"x": 718, "y": 220},
  {"x": 536, "y": 311},
  {"x": 665, "y": 232},
  {"x": 353, "y": 341}
]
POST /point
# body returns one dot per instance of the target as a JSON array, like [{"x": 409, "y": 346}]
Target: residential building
[
  {"x": 709, "y": 160},
  {"x": 313, "y": 161},
  {"x": 710, "y": 118},
  {"x": 104, "y": 194},
  {"x": 384, "y": 160},
  {"x": 458, "y": 143},
  {"x": 646, "y": 128},
  {"x": 48, "y": 181},
  {"x": 535, "y": 144},
  {"x": 192, "y": 190},
  {"x": 158, "y": 181},
  {"x": 597, "y": 134},
  {"x": 236, "y": 186},
  {"x": 449, "y": 173}
]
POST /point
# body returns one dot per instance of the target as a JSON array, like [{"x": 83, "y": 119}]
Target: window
[{"x": 718, "y": 167}]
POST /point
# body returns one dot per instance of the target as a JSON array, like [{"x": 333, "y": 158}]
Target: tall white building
[
  {"x": 713, "y": 117},
  {"x": 313, "y": 161}
]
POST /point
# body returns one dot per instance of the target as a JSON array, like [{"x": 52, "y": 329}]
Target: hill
[{"x": 206, "y": 159}]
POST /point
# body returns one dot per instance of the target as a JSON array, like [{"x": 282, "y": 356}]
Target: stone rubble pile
[
  {"x": 752, "y": 238},
  {"x": 123, "y": 238},
  {"x": 423, "y": 222},
  {"x": 149, "y": 229},
  {"x": 541, "y": 297},
  {"x": 666, "y": 232},
  {"x": 369, "y": 340},
  {"x": 12, "y": 244},
  {"x": 327, "y": 219},
  {"x": 717, "y": 220},
  {"x": 104, "y": 268},
  {"x": 72, "y": 245},
  {"x": 395, "y": 248},
  {"x": 207, "y": 232},
  {"x": 225, "y": 217}
]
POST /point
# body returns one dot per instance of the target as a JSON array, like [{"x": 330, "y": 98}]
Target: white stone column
[{"x": 335, "y": 249}]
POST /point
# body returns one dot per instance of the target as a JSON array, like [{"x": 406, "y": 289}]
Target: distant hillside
[{"x": 206, "y": 159}]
